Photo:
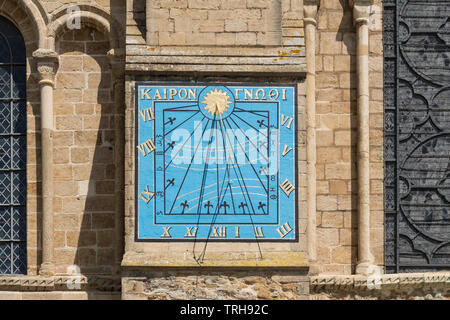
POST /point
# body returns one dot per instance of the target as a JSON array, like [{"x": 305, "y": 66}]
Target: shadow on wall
[
  {"x": 139, "y": 7},
  {"x": 85, "y": 204},
  {"x": 346, "y": 34}
]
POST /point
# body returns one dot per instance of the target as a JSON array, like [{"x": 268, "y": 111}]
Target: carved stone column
[
  {"x": 46, "y": 66},
  {"x": 361, "y": 12},
  {"x": 309, "y": 13}
]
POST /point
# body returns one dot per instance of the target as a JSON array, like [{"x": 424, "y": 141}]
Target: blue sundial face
[{"x": 215, "y": 162}]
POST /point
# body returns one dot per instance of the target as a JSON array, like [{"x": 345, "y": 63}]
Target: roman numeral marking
[
  {"x": 285, "y": 119},
  {"x": 191, "y": 232},
  {"x": 287, "y": 187},
  {"x": 258, "y": 232},
  {"x": 219, "y": 232},
  {"x": 146, "y": 195},
  {"x": 147, "y": 114},
  {"x": 286, "y": 150},
  {"x": 284, "y": 230},
  {"x": 166, "y": 233},
  {"x": 147, "y": 147}
]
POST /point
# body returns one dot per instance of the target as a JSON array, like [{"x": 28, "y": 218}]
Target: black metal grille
[
  {"x": 417, "y": 135},
  {"x": 12, "y": 150}
]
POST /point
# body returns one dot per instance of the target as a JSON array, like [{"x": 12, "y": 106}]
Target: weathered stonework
[
  {"x": 413, "y": 286},
  {"x": 216, "y": 284}
]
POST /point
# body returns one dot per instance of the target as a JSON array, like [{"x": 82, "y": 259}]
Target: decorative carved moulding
[
  {"x": 60, "y": 283},
  {"x": 380, "y": 282}
]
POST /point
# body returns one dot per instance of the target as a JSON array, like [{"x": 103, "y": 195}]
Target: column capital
[
  {"x": 361, "y": 10},
  {"x": 47, "y": 61},
  {"x": 310, "y": 11}
]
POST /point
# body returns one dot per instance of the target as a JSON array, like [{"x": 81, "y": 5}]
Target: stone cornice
[
  {"x": 258, "y": 60},
  {"x": 378, "y": 282},
  {"x": 60, "y": 283}
]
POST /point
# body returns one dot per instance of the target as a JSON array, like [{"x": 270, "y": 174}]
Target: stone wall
[
  {"x": 218, "y": 284},
  {"x": 213, "y": 22},
  {"x": 215, "y": 36},
  {"x": 84, "y": 147},
  {"x": 336, "y": 122}
]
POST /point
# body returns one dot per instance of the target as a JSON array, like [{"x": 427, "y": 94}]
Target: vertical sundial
[{"x": 215, "y": 162}]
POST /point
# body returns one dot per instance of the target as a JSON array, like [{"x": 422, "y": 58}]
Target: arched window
[{"x": 13, "y": 127}]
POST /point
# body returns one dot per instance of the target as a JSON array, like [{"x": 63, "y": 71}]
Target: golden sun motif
[{"x": 216, "y": 102}]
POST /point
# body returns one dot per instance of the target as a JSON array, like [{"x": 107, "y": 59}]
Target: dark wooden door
[{"x": 417, "y": 135}]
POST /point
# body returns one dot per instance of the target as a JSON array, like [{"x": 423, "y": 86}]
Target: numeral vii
[
  {"x": 147, "y": 147},
  {"x": 147, "y": 114}
]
